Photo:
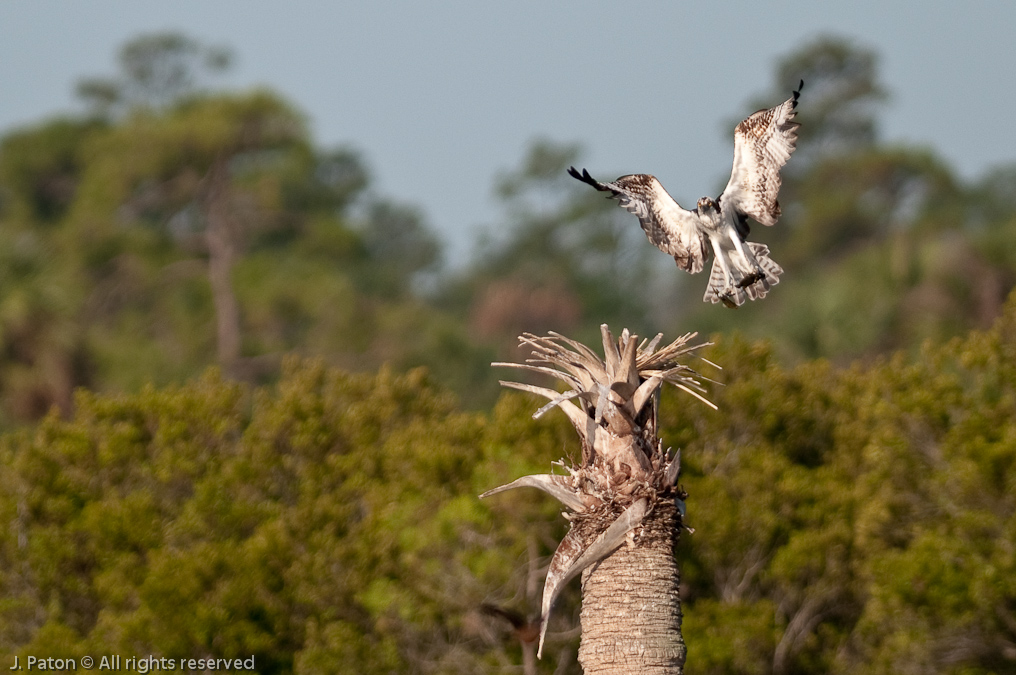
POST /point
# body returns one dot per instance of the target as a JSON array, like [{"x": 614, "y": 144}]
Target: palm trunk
[
  {"x": 622, "y": 498},
  {"x": 631, "y": 611}
]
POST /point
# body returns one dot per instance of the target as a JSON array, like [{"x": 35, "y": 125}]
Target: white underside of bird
[{"x": 741, "y": 269}]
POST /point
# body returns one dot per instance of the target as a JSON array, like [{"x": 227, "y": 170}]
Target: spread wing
[
  {"x": 672, "y": 229},
  {"x": 762, "y": 145}
]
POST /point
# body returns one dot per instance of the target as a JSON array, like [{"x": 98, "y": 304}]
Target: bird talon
[{"x": 751, "y": 279}]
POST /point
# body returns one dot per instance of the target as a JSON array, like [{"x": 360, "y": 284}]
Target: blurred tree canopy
[
  {"x": 845, "y": 519},
  {"x": 883, "y": 246},
  {"x": 184, "y": 227},
  {"x": 563, "y": 262},
  {"x": 156, "y": 70},
  {"x": 179, "y": 226}
]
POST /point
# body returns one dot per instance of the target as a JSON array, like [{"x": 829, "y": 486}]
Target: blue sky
[{"x": 441, "y": 96}]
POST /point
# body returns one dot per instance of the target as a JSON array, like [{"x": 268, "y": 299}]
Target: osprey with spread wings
[{"x": 762, "y": 145}]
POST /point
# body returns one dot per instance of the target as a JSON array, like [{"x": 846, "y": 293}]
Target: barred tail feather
[
  {"x": 720, "y": 290},
  {"x": 769, "y": 266}
]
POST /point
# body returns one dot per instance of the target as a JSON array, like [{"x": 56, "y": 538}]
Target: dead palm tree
[{"x": 625, "y": 506}]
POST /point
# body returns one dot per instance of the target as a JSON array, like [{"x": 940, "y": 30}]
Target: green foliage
[
  {"x": 107, "y": 244},
  {"x": 330, "y": 519},
  {"x": 565, "y": 260},
  {"x": 846, "y": 519},
  {"x": 40, "y": 168},
  {"x": 106, "y": 257},
  {"x": 882, "y": 245},
  {"x": 842, "y": 89},
  {"x": 400, "y": 247},
  {"x": 155, "y": 71},
  {"x": 854, "y": 519}
]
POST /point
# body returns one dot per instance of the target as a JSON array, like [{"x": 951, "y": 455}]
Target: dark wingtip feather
[
  {"x": 797, "y": 92},
  {"x": 585, "y": 178}
]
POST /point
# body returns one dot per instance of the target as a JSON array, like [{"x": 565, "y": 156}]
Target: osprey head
[{"x": 706, "y": 204}]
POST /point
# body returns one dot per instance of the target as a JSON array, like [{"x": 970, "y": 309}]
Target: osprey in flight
[{"x": 762, "y": 145}]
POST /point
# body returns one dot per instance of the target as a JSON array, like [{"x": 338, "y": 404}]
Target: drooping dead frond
[
  {"x": 558, "y": 487},
  {"x": 583, "y": 546}
]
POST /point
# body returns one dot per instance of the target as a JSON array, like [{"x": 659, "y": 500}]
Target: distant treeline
[{"x": 174, "y": 226}]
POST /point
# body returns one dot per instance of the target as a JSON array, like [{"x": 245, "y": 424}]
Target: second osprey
[{"x": 762, "y": 145}]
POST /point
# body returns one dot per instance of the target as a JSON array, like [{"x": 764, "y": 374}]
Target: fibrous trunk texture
[{"x": 631, "y": 610}]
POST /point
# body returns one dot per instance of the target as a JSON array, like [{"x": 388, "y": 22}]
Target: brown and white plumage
[
  {"x": 672, "y": 229},
  {"x": 762, "y": 145}
]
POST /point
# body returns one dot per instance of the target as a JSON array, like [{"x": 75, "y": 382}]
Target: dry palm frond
[
  {"x": 626, "y": 378},
  {"x": 612, "y": 404}
]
